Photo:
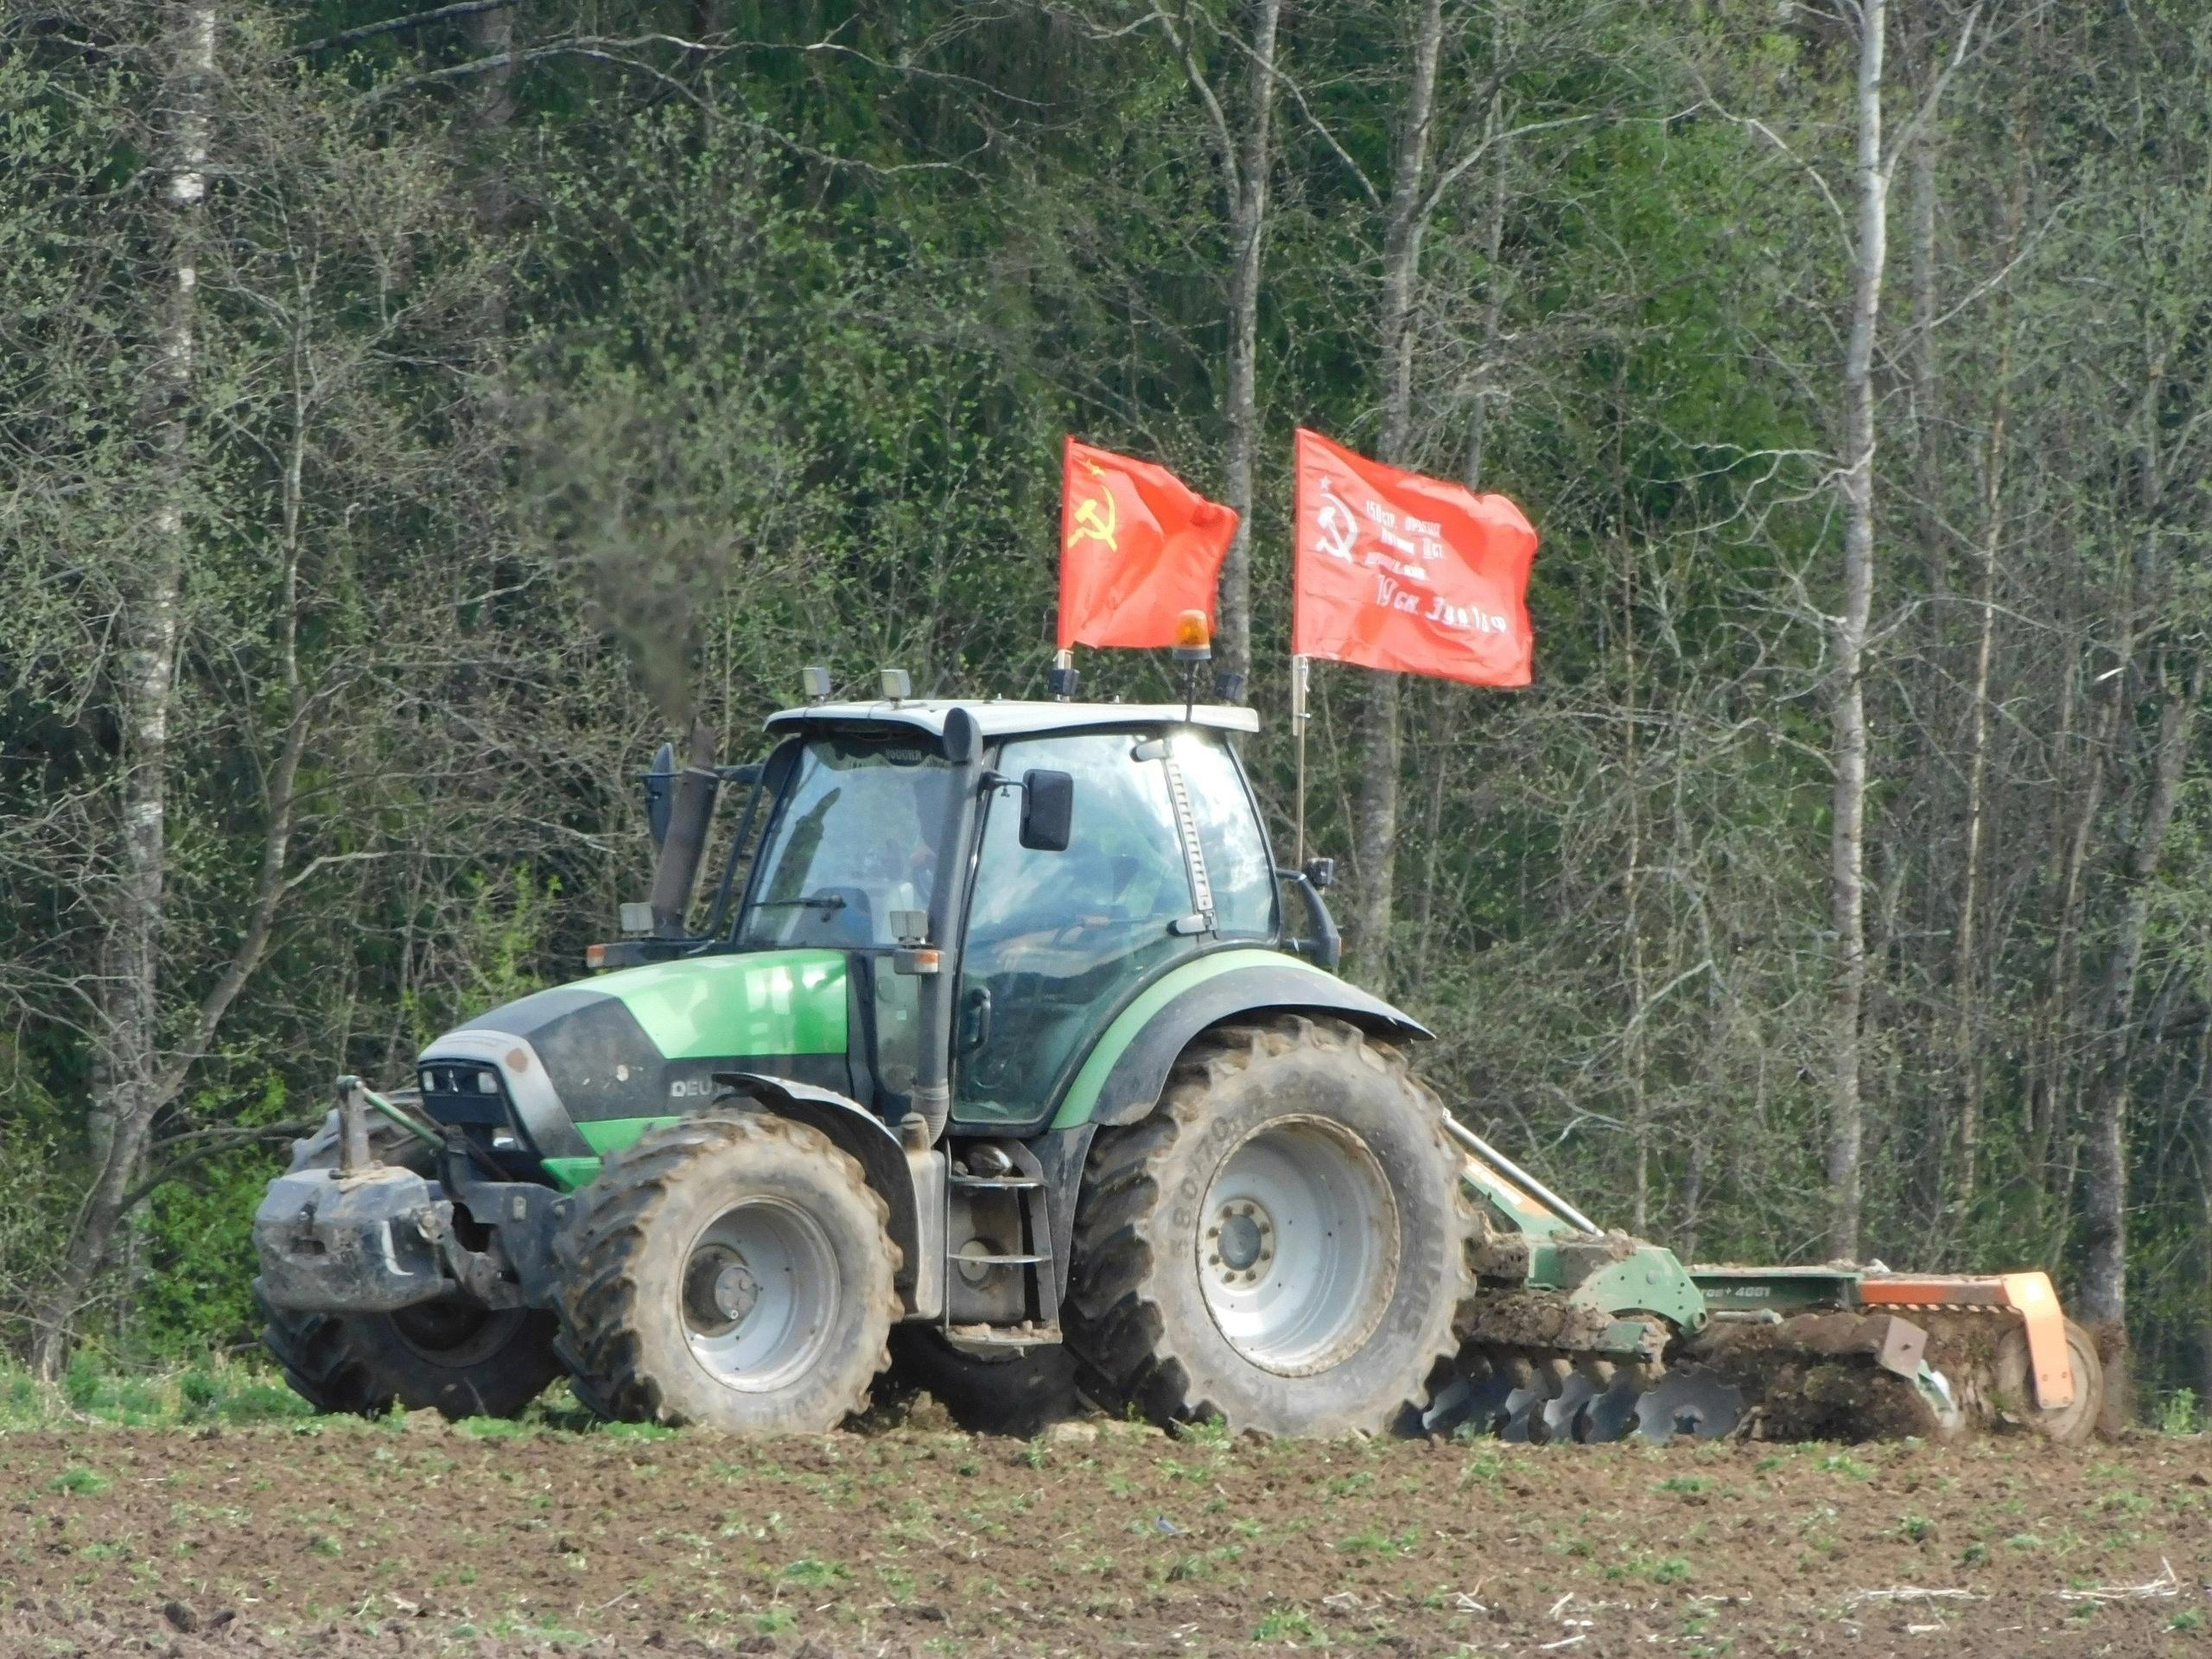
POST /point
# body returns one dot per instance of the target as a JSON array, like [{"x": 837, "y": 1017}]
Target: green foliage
[{"x": 2180, "y": 1414}]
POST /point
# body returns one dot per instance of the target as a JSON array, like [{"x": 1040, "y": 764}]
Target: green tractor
[{"x": 1007, "y": 1054}]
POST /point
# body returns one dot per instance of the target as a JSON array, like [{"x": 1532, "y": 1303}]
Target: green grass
[
  {"x": 243, "y": 1393},
  {"x": 220, "y": 1390}
]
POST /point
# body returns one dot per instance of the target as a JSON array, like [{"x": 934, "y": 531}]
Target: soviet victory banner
[
  {"x": 1395, "y": 570},
  {"x": 1138, "y": 547}
]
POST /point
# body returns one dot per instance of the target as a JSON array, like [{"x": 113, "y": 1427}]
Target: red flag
[
  {"x": 1399, "y": 571},
  {"x": 1138, "y": 546}
]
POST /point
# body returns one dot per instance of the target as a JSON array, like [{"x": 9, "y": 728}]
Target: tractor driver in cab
[{"x": 854, "y": 845}]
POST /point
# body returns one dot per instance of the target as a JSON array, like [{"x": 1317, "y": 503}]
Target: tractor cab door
[{"x": 1167, "y": 856}]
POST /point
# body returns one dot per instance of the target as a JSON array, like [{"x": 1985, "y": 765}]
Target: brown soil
[{"x": 414, "y": 1538}]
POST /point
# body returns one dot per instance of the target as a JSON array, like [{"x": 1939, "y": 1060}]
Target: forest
[{"x": 410, "y": 415}]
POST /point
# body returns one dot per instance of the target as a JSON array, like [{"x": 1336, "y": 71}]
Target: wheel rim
[
  {"x": 760, "y": 1295},
  {"x": 1298, "y": 1245}
]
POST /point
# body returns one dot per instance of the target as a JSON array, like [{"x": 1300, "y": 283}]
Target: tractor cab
[{"x": 1019, "y": 890}]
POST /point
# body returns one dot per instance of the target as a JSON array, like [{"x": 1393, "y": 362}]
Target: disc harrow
[{"x": 1581, "y": 1335}]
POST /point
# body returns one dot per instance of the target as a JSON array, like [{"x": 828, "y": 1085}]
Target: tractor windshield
[{"x": 854, "y": 839}]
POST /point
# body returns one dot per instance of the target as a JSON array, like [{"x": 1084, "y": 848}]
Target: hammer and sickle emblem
[{"x": 1095, "y": 521}]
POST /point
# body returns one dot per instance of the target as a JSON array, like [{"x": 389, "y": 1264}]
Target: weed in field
[
  {"x": 1486, "y": 1467},
  {"x": 1659, "y": 1569},
  {"x": 637, "y": 1432},
  {"x": 1842, "y": 1463},
  {"x": 774, "y": 1619},
  {"x": 2179, "y": 1413},
  {"x": 1289, "y": 1625},
  {"x": 814, "y": 1574},
  {"x": 2024, "y": 1541},
  {"x": 1917, "y": 1528},
  {"x": 2189, "y": 1618},
  {"x": 492, "y": 1428},
  {"x": 1373, "y": 1541},
  {"x": 80, "y": 1482},
  {"x": 1689, "y": 1485}
]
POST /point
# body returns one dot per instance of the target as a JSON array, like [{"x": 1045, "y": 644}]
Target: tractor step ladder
[{"x": 1025, "y": 1178}]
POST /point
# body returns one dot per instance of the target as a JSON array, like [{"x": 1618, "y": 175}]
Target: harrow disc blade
[
  {"x": 1690, "y": 1402},
  {"x": 1523, "y": 1408},
  {"x": 1559, "y": 1418},
  {"x": 1477, "y": 1403},
  {"x": 1610, "y": 1415}
]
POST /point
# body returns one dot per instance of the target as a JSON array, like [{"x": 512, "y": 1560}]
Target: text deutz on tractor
[{"x": 1004, "y": 1039}]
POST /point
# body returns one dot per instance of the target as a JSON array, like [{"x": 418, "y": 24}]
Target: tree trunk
[
  {"x": 1966, "y": 962},
  {"x": 1855, "y": 483},
  {"x": 130, "y": 1041},
  {"x": 2103, "y": 1295},
  {"x": 1926, "y": 472},
  {"x": 1375, "y": 844},
  {"x": 1247, "y": 166}
]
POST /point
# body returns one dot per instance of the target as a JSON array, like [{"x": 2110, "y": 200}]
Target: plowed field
[{"x": 414, "y": 1538}]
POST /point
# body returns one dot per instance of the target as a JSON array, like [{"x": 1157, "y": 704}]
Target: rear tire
[
  {"x": 462, "y": 1361},
  {"x": 734, "y": 1270},
  {"x": 1283, "y": 1244}
]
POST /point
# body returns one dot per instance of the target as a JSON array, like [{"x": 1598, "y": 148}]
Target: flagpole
[{"x": 1298, "y": 667}]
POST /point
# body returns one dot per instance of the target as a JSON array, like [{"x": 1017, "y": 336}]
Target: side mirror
[
  {"x": 660, "y": 792},
  {"x": 1322, "y": 872},
  {"x": 1047, "y": 810}
]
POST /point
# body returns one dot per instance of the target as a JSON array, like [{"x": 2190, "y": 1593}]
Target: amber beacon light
[{"x": 1193, "y": 637}]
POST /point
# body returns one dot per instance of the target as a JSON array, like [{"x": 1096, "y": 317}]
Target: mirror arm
[{"x": 1326, "y": 948}]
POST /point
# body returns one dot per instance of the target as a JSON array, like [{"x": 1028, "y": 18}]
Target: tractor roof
[{"x": 1003, "y": 719}]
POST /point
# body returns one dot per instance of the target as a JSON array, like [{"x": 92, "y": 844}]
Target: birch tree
[
  {"x": 1856, "y": 485},
  {"x": 183, "y": 53}
]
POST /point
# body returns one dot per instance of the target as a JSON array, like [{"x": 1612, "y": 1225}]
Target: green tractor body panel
[
  {"x": 584, "y": 1069},
  {"x": 710, "y": 1007},
  {"x": 1189, "y": 998}
]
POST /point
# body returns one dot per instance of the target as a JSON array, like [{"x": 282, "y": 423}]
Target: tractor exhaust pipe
[
  {"x": 932, "y": 1097},
  {"x": 683, "y": 849}
]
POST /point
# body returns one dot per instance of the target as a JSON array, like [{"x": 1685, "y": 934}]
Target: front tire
[
  {"x": 733, "y": 1270},
  {"x": 448, "y": 1356},
  {"x": 1281, "y": 1244}
]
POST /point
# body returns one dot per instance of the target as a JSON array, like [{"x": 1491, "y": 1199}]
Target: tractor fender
[
  {"x": 909, "y": 1182},
  {"x": 1128, "y": 1067}
]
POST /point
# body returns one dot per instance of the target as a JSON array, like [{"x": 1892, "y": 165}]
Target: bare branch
[
  {"x": 1926, "y": 112},
  {"x": 1482, "y": 147},
  {"x": 395, "y": 25},
  {"x": 1224, "y": 144}
]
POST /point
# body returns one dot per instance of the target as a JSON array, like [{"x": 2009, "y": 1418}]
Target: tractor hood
[{"x": 578, "y": 1071}]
